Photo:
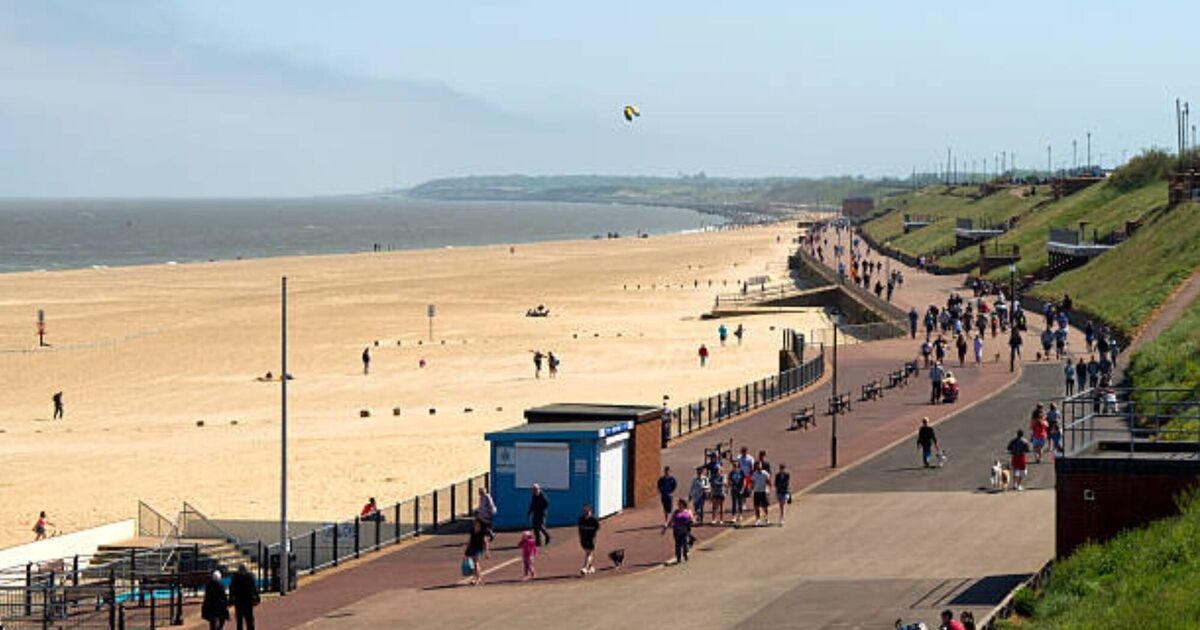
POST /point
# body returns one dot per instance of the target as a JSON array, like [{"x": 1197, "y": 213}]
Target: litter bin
[{"x": 275, "y": 571}]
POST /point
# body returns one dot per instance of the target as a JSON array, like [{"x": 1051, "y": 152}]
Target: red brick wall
[
  {"x": 645, "y": 462},
  {"x": 1124, "y": 493}
]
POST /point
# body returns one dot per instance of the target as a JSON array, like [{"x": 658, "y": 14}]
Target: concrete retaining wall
[{"x": 80, "y": 543}]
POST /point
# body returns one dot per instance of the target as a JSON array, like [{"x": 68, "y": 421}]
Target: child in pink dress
[{"x": 529, "y": 551}]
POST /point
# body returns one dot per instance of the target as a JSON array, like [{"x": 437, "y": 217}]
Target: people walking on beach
[
  {"x": 366, "y": 359},
  {"x": 699, "y": 492},
  {"x": 552, "y": 363},
  {"x": 927, "y": 441},
  {"x": 679, "y": 522},
  {"x": 589, "y": 527},
  {"x": 537, "y": 363},
  {"x": 722, "y": 333},
  {"x": 703, "y": 352},
  {"x": 1069, "y": 374},
  {"x": 739, "y": 332},
  {"x": 936, "y": 374},
  {"x": 477, "y": 549},
  {"x": 39, "y": 528},
  {"x": 538, "y": 506},
  {"x": 761, "y": 482},
  {"x": 666, "y": 490},
  {"x": 215, "y": 607},
  {"x": 244, "y": 593},
  {"x": 485, "y": 512},
  {"x": 58, "y": 405},
  {"x": 783, "y": 490},
  {"x": 737, "y": 493},
  {"x": 1019, "y": 449},
  {"x": 529, "y": 551}
]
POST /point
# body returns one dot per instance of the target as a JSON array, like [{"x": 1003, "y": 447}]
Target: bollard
[
  {"x": 312, "y": 550},
  {"x": 453, "y": 503},
  {"x": 396, "y": 520},
  {"x": 435, "y": 509},
  {"x": 471, "y": 495},
  {"x": 357, "y": 536},
  {"x": 335, "y": 548},
  {"x": 416, "y": 516}
]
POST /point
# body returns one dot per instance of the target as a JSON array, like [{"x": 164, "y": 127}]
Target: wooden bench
[
  {"x": 898, "y": 378},
  {"x": 871, "y": 390},
  {"x": 805, "y": 418},
  {"x": 839, "y": 403}
]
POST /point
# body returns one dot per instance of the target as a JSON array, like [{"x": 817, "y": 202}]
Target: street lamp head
[{"x": 1012, "y": 268}]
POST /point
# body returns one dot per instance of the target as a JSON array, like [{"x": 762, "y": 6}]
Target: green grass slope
[
  {"x": 1171, "y": 360},
  {"x": 944, "y": 206},
  {"x": 1144, "y": 578},
  {"x": 1104, "y": 206},
  {"x": 1124, "y": 285}
]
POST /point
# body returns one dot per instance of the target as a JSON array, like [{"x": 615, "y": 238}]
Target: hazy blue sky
[{"x": 273, "y": 97}]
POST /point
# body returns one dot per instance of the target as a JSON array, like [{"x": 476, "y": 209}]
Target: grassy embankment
[
  {"x": 944, "y": 205},
  {"x": 1143, "y": 578}
]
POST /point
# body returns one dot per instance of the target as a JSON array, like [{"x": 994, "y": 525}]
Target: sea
[{"x": 53, "y": 234}]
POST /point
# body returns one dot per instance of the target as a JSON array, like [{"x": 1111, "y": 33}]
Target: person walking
[
  {"x": 589, "y": 527},
  {"x": 215, "y": 607},
  {"x": 1081, "y": 375},
  {"x": 39, "y": 527},
  {"x": 538, "y": 506},
  {"x": 737, "y": 493},
  {"x": 912, "y": 322},
  {"x": 1069, "y": 374},
  {"x": 485, "y": 512},
  {"x": 366, "y": 359},
  {"x": 477, "y": 549},
  {"x": 680, "y": 523},
  {"x": 666, "y": 490},
  {"x": 529, "y": 551},
  {"x": 949, "y": 622},
  {"x": 1014, "y": 342},
  {"x": 783, "y": 490},
  {"x": 936, "y": 374},
  {"x": 739, "y": 332},
  {"x": 703, "y": 352},
  {"x": 722, "y": 333},
  {"x": 699, "y": 493},
  {"x": 552, "y": 362},
  {"x": 716, "y": 497},
  {"x": 58, "y": 405},
  {"x": 761, "y": 482},
  {"x": 1038, "y": 431},
  {"x": 927, "y": 441},
  {"x": 960, "y": 344},
  {"x": 978, "y": 344},
  {"x": 244, "y": 593},
  {"x": 538, "y": 357},
  {"x": 1019, "y": 449}
]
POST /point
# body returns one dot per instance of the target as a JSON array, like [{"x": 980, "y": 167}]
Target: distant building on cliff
[{"x": 856, "y": 207}]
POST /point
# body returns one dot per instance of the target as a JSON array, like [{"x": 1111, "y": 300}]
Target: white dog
[{"x": 1000, "y": 477}]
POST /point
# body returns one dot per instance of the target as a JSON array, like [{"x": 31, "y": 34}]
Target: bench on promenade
[
  {"x": 805, "y": 418},
  {"x": 871, "y": 390},
  {"x": 897, "y": 378},
  {"x": 839, "y": 403}
]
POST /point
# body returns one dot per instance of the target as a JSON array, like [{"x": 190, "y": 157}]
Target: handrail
[{"x": 186, "y": 520}]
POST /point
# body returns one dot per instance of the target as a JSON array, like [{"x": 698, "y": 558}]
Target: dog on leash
[
  {"x": 1000, "y": 477},
  {"x": 941, "y": 458}
]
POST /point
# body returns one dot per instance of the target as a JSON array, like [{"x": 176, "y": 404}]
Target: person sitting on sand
[{"x": 370, "y": 512}]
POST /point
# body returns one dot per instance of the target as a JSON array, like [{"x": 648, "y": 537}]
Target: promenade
[{"x": 878, "y": 539}]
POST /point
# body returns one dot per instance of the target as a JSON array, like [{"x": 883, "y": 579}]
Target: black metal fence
[
  {"x": 739, "y": 400},
  {"x": 1131, "y": 419},
  {"x": 334, "y": 543}
]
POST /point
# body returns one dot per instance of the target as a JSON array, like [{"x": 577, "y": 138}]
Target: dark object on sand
[
  {"x": 432, "y": 411},
  {"x": 364, "y": 413},
  {"x": 395, "y": 411},
  {"x": 618, "y": 557}
]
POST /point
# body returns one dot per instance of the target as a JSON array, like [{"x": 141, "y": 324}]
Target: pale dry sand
[{"x": 142, "y": 353}]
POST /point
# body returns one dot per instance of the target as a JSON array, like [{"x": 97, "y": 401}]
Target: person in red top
[
  {"x": 1038, "y": 432},
  {"x": 370, "y": 511},
  {"x": 703, "y": 355},
  {"x": 949, "y": 622}
]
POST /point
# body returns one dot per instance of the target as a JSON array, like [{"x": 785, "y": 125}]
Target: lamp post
[
  {"x": 837, "y": 315},
  {"x": 285, "y": 566},
  {"x": 1012, "y": 316}
]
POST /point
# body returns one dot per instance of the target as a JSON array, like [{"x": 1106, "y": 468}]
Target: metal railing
[
  {"x": 857, "y": 333},
  {"x": 740, "y": 400},
  {"x": 1131, "y": 420},
  {"x": 335, "y": 543}
]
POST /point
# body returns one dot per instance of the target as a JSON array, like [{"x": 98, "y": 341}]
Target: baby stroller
[{"x": 949, "y": 388}]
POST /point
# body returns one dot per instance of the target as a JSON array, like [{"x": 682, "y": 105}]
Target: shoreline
[{"x": 369, "y": 248}]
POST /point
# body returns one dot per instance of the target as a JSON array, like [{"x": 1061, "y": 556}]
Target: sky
[{"x": 290, "y": 98}]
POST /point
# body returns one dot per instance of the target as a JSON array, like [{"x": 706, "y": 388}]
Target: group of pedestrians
[
  {"x": 243, "y": 596},
  {"x": 722, "y": 337},
  {"x": 550, "y": 360}
]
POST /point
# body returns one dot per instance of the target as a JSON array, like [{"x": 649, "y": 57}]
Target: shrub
[
  {"x": 1024, "y": 601},
  {"x": 1152, "y": 165}
]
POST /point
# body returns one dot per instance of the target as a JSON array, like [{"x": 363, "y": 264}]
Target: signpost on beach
[
  {"x": 431, "y": 311},
  {"x": 41, "y": 327}
]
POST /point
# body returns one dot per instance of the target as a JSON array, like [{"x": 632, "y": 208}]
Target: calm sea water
[{"x": 68, "y": 234}]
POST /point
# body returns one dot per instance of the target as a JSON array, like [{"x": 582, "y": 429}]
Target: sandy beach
[{"x": 143, "y": 353}]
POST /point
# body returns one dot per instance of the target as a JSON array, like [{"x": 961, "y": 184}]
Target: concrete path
[{"x": 876, "y": 543}]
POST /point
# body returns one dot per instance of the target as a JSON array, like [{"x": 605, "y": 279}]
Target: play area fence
[{"x": 739, "y": 400}]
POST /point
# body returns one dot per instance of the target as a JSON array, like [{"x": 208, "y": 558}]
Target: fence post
[
  {"x": 357, "y": 535},
  {"x": 453, "y": 503},
  {"x": 396, "y": 520},
  {"x": 435, "y": 509},
  {"x": 75, "y": 570},
  {"x": 756, "y": 393},
  {"x": 336, "y": 527},
  {"x": 378, "y": 526},
  {"x": 112, "y": 600},
  {"x": 417, "y": 515},
  {"x": 471, "y": 495},
  {"x": 28, "y": 589}
]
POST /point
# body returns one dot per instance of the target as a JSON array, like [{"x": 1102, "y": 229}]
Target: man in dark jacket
[
  {"x": 927, "y": 441},
  {"x": 666, "y": 488},
  {"x": 538, "y": 505},
  {"x": 215, "y": 609},
  {"x": 244, "y": 593}
]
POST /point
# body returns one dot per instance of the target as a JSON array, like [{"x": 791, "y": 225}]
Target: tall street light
[
  {"x": 285, "y": 565},
  {"x": 1012, "y": 316},
  {"x": 837, "y": 316}
]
